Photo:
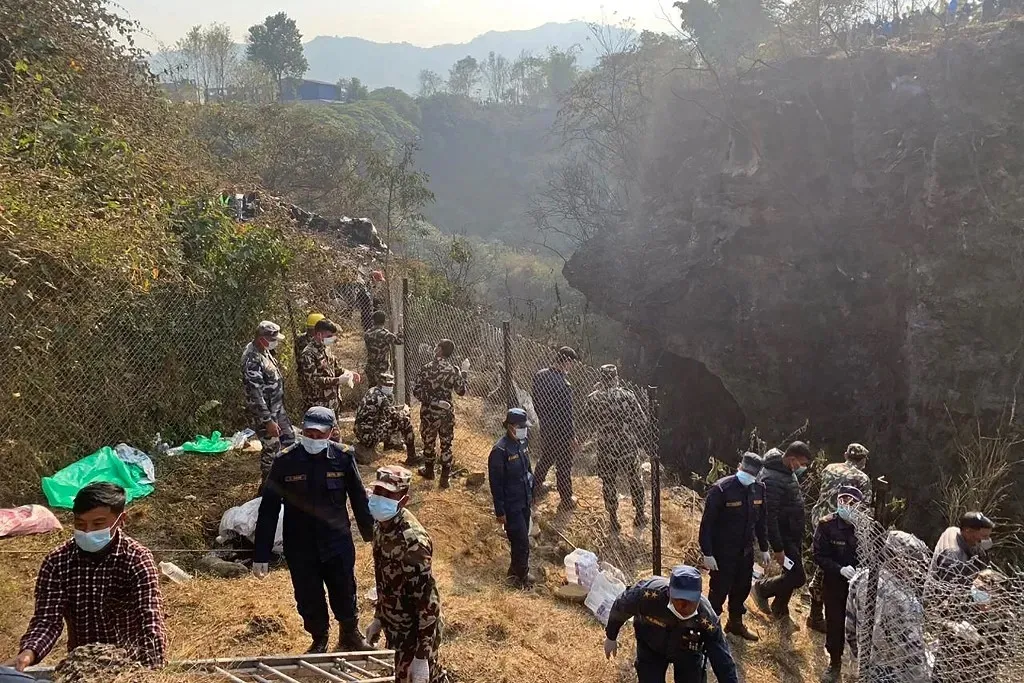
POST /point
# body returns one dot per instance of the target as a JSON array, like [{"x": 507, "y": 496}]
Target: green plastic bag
[
  {"x": 103, "y": 465},
  {"x": 207, "y": 444}
]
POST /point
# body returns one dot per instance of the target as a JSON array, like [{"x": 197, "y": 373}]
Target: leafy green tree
[
  {"x": 463, "y": 76},
  {"x": 353, "y": 90},
  {"x": 276, "y": 44},
  {"x": 430, "y": 83}
]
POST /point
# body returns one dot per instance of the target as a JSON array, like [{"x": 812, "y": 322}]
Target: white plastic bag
[{"x": 241, "y": 521}]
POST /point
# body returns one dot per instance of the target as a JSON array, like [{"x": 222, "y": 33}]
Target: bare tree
[
  {"x": 495, "y": 71},
  {"x": 430, "y": 83},
  {"x": 193, "y": 60},
  {"x": 221, "y": 57},
  {"x": 463, "y": 76},
  {"x": 463, "y": 265}
]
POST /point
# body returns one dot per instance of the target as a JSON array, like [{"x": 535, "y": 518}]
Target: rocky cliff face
[{"x": 837, "y": 239}]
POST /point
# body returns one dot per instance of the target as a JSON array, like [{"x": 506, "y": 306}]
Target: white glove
[
  {"x": 610, "y": 648},
  {"x": 373, "y": 632},
  {"x": 847, "y": 572},
  {"x": 766, "y": 557},
  {"x": 710, "y": 563},
  {"x": 964, "y": 630},
  {"x": 465, "y": 366},
  {"x": 260, "y": 569},
  {"x": 419, "y": 671}
]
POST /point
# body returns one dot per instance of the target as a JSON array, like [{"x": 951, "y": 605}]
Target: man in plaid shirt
[{"x": 103, "y": 584}]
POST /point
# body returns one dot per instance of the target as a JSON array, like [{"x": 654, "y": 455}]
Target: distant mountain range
[{"x": 399, "y": 64}]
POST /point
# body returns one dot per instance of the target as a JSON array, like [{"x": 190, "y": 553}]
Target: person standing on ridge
[
  {"x": 408, "y": 609},
  {"x": 620, "y": 422},
  {"x": 734, "y": 517},
  {"x": 850, "y": 472},
  {"x": 511, "y": 477},
  {"x": 434, "y": 386},
  {"x": 785, "y": 522},
  {"x": 314, "y": 479},
  {"x": 552, "y": 399},
  {"x": 263, "y": 383}
]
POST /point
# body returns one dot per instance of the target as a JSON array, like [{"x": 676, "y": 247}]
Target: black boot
[
  {"x": 319, "y": 645},
  {"x": 737, "y": 628},
  {"x": 834, "y": 672},
  {"x": 446, "y": 475},
  {"x": 351, "y": 638},
  {"x": 816, "y": 619},
  {"x": 411, "y": 459},
  {"x": 427, "y": 471}
]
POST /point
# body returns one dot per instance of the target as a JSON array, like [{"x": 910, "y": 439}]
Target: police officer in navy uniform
[
  {"x": 835, "y": 551},
  {"x": 313, "y": 479},
  {"x": 674, "y": 625},
  {"x": 734, "y": 515},
  {"x": 511, "y": 475}
]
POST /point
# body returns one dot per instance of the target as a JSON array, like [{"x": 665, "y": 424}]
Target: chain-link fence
[
  {"x": 594, "y": 432},
  {"x": 915, "y": 616}
]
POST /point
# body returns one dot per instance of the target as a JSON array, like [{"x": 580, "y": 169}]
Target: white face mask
[
  {"x": 986, "y": 544},
  {"x": 672, "y": 609},
  {"x": 272, "y": 344},
  {"x": 314, "y": 445},
  {"x": 521, "y": 433},
  {"x": 328, "y": 341},
  {"x": 388, "y": 391}
]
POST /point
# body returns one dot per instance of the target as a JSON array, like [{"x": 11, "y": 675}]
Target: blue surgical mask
[
  {"x": 980, "y": 596},
  {"x": 314, "y": 445},
  {"x": 845, "y": 512},
  {"x": 94, "y": 541},
  {"x": 745, "y": 478},
  {"x": 799, "y": 472},
  {"x": 383, "y": 509}
]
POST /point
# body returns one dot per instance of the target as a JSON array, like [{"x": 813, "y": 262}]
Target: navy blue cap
[
  {"x": 751, "y": 463},
  {"x": 684, "y": 584},
  {"x": 516, "y": 416},
  {"x": 319, "y": 418},
  {"x": 851, "y": 491}
]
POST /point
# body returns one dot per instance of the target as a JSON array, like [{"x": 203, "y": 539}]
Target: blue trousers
[
  {"x": 517, "y": 528},
  {"x": 651, "y": 667},
  {"x": 310, "y": 575},
  {"x": 8, "y": 675}
]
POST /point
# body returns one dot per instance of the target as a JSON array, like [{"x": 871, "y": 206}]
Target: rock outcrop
[{"x": 836, "y": 239}]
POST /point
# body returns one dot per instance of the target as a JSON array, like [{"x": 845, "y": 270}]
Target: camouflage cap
[
  {"x": 856, "y": 451},
  {"x": 387, "y": 379},
  {"x": 393, "y": 478},
  {"x": 270, "y": 330}
]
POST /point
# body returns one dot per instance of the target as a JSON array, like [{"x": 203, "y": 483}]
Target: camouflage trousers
[
  {"x": 371, "y": 435},
  {"x": 610, "y": 466},
  {"x": 374, "y": 371},
  {"x": 272, "y": 445},
  {"x": 405, "y": 652},
  {"x": 437, "y": 425}
]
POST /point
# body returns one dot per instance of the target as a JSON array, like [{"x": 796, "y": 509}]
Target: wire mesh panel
[
  {"x": 592, "y": 430},
  {"x": 913, "y": 616}
]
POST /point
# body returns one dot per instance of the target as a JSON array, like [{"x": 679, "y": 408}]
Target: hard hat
[{"x": 314, "y": 318}]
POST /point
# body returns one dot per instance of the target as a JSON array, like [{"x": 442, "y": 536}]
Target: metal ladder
[{"x": 340, "y": 667}]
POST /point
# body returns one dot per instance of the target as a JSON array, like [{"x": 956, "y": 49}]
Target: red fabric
[
  {"x": 113, "y": 598},
  {"x": 27, "y": 519}
]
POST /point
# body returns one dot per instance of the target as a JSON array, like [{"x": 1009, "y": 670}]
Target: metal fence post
[
  {"x": 511, "y": 400},
  {"x": 655, "y": 445},
  {"x": 404, "y": 389}
]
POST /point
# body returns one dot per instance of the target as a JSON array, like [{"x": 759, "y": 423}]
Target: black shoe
[
  {"x": 815, "y": 622},
  {"x": 833, "y": 674},
  {"x": 319, "y": 645},
  {"x": 520, "y": 582},
  {"x": 427, "y": 471},
  {"x": 540, "y": 490},
  {"x": 760, "y": 600},
  {"x": 446, "y": 475},
  {"x": 352, "y": 640},
  {"x": 411, "y": 458},
  {"x": 736, "y": 627}
]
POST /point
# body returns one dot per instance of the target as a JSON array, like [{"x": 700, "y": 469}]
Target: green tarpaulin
[
  {"x": 103, "y": 465},
  {"x": 207, "y": 444}
]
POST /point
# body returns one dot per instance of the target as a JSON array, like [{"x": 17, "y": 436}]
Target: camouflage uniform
[
  {"x": 264, "y": 400},
  {"x": 408, "y": 606},
  {"x": 436, "y": 382},
  {"x": 318, "y": 373},
  {"x": 620, "y": 419},
  {"x": 833, "y": 477},
  {"x": 301, "y": 342},
  {"x": 379, "y": 341},
  {"x": 378, "y": 417}
]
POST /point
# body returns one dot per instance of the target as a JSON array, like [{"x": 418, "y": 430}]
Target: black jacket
[
  {"x": 734, "y": 516},
  {"x": 552, "y": 398},
  {"x": 508, "y": 467},
  {"x": 785, "y": 502},
  {"x": 835, "y": 545},
  {"x": 314, "y": 490}
]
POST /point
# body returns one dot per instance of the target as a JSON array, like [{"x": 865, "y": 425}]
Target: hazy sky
[{"x": 421, "y": 22}]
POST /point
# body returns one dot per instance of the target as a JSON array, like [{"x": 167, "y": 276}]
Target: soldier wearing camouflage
[
  {"x": 379, "y": 342},
  {"x": 301, "y": 342},
  {"x": 408, "y": 608},
  {"x": 378, "y": 417},
  {"x": 318, "y": 370},
  {"x": 850, "y": 472},
  {"x": 434, "y": 386},
  {"x": 263, "y": 383},
  {"x": 620, "y": 421}
]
